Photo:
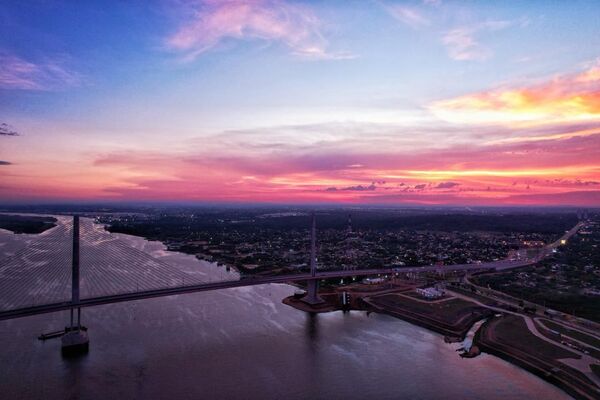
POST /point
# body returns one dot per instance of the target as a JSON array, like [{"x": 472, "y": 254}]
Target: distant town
[{"x": 255, "y": 241}]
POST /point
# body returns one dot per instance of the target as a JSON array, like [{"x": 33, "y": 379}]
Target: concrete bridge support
[
  {"x": 312, "y": 291},
  {"x": 75, "y": 340}
]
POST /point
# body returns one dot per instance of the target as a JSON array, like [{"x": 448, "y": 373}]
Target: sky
[{"x": 360, "y": 102}]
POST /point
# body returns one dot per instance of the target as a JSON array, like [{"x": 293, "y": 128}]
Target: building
[{"x": 430, "y": 293}]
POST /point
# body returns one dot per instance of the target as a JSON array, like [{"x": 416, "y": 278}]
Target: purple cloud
[
  {"x": 357, "y": 188},
  {"x": 7, "y": 130},
  {"x": 19, "y": 74},
  {"x": 446, "y": 185}
]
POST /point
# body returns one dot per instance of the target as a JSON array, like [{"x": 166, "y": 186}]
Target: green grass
[
  {"x": 512, "y": 330},
  {"x": 26, "y": 223}
]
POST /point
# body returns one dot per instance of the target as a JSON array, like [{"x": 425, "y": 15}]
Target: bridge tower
[
  {"x": 312, "y": 291},
  {"x": 75, "y": 340},
  {"x": 349, "y": 228},
  {"x": 350, "y": 244}
]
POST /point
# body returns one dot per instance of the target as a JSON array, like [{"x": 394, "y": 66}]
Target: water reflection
[{"x": 312, "y": 320}]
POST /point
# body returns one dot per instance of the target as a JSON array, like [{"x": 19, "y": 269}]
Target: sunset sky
[{"x": 379, "y": 102}]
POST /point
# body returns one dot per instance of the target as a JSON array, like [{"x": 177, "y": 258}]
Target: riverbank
[
  {"x": 507, "y": 337},
  {"x": 502, "y": 335},
  {"x": 449, "y": 316},
  {"x": 452, "y": 318}
]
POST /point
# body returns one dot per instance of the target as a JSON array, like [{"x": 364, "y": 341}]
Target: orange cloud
[{"x": 568, "y": 98}]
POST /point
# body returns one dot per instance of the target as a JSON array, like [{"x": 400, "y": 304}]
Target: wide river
[{"x": 244, "y": 344}]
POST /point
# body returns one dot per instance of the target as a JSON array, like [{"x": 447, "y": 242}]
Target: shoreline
[
  {"x": 453, "y": 331},
  {"x": 561, "y": 378}
]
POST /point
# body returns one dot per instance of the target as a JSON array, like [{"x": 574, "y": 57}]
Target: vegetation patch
[
  {"x": 568, "y": 281},
  {"x": 26, "y": 223},
  {"x": 511, "y": 329},
  {"x": 448, "y": 311}
]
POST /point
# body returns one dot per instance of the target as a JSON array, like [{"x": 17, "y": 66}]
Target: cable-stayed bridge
[
  {"x": 38, "y": 278},
  {"x": 78, "y": 264}
]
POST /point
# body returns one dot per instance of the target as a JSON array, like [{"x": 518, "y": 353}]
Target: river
[{"x": 244, "y": 344}]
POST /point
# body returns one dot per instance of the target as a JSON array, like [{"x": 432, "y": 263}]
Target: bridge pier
[
  {"x": 75, "y": 340},
  {"x": 312, "y": 293}
]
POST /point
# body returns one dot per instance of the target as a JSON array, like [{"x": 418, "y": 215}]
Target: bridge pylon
[
  {"x": 75, "y": 340},
  {"x": 312, "y": 291}
]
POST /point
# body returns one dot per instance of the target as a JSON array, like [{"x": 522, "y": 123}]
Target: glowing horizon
[{"x": 392, "y": 102}]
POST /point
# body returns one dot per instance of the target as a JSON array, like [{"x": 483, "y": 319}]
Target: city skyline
[{"x": 428, "y": 102}]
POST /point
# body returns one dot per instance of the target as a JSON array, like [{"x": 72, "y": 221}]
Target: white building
[{"x": 430, "y": 293}]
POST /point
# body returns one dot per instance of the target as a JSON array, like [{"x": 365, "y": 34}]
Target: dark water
[{"x": 245, "y": 344}]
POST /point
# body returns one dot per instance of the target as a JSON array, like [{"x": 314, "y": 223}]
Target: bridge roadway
[
  {"x": 30, "y": 284},
  {"x": 251, "y": 281}
]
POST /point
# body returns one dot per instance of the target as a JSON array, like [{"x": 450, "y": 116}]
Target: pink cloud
[
  {"x": 18, "y": 73},
  {"x": 462, "y": 43},
  {"x": 407, "y": 15},
  {"x": 211, "y": 22},
  {"x": 484, "y": 174}
]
